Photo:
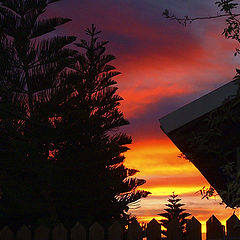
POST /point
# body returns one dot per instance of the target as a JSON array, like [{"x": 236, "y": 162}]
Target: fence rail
[{"x": 152, "y": 231}]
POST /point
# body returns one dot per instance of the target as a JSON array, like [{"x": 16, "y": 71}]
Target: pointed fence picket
[
  {"x": 215, "y": 230},
  {"x": 174, "y": 231},
  {"x": 193, "y": 229},
  {"x": 96, "y": 232},
  {"x": 6, "y": 234},
  {"x": 115, "y": 231},
  {"x": 59, "y": 233},
  {"x": 233, "y": 227},
  {"x": 23, "y": 233},
  {"x": 152, "y": 231},
  {"x": 134, "y": 231},
  {"x": 41, "y": 233},
  {"x": 78, "y": 232}
]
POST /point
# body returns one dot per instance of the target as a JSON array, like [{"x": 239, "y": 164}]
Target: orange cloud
[{"x": 158, "y": 158}]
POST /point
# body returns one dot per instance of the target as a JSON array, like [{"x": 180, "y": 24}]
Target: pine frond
[
  {"x": 24, "y": 7},
  {"x": 10, "y": 22},
  {"x": 48, "y": 51},
  {"x": 132, "y": 172},
  {"x": 12, "y": 5},
  {"x": 45, "y": 26},
  {"x": 53, "y": 1}
]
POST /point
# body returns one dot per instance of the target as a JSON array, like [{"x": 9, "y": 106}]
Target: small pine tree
[{"x": 174, "y": 210}]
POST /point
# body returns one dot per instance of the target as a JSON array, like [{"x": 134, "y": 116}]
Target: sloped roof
[
  {"x": 198, "y": 108},
  {"x": 183, "y": 124}
]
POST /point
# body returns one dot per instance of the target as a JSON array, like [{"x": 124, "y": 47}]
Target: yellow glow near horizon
[
  {"x": 166, "y": 190},
  {"x": 147, "y": 219},
  {"x": 158, "y": 163}
]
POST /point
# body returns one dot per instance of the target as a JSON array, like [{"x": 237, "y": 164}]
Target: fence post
[
  {"x": 134, "y": 231},
  {"x": 174, "y": 231},
  {"x": 215, "y": 230},
  {"x": 6, "y": 234},
  {"x": 96, "y": 232},
  {"x": 23, "y": 233},
  {"x": 59, "y": 232},
  {"x": 233, "y": 228},
  {"x": 78, "y": 232},
  {"x": 153, "y": 230},
  {"x": 115, "y": 231},
  {"x": 41, "y": 233},
  {"x": 193, "y": 229}
]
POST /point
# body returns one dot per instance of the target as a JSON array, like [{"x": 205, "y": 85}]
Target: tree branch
[{"x": 186, "y": 19}]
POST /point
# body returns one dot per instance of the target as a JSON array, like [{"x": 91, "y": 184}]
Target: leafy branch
[
  {"x": 232, "y": 29},
  {"x": 186, "y": 19}
]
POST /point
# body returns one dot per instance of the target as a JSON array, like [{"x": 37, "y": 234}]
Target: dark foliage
[
  {"x": 29, "y": 71},
  {"x": 227, "y": 11},
  {"x": 61, "y": 156},
  {"x": 90, "y": 150}
]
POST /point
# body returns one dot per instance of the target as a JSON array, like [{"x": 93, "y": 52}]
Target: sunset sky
[{"x": 164, "y": 65}]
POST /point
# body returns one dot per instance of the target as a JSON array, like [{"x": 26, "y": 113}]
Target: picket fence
[{"x": 134, "y": 231}]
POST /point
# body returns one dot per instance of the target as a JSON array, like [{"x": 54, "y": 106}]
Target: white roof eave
[{"x": 198, "y": 108}]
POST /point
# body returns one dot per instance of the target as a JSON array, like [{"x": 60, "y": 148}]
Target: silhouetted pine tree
[
  {"x": 91, "y": 149},
  {"x": 174, "y": 210},
  {"x": 29, "y": 71}
]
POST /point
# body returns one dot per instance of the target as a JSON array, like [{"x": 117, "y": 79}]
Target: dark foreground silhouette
[{"x": 61, "y": 157}]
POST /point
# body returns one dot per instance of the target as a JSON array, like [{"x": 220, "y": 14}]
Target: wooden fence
[{"x": 152, "y": 231}]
